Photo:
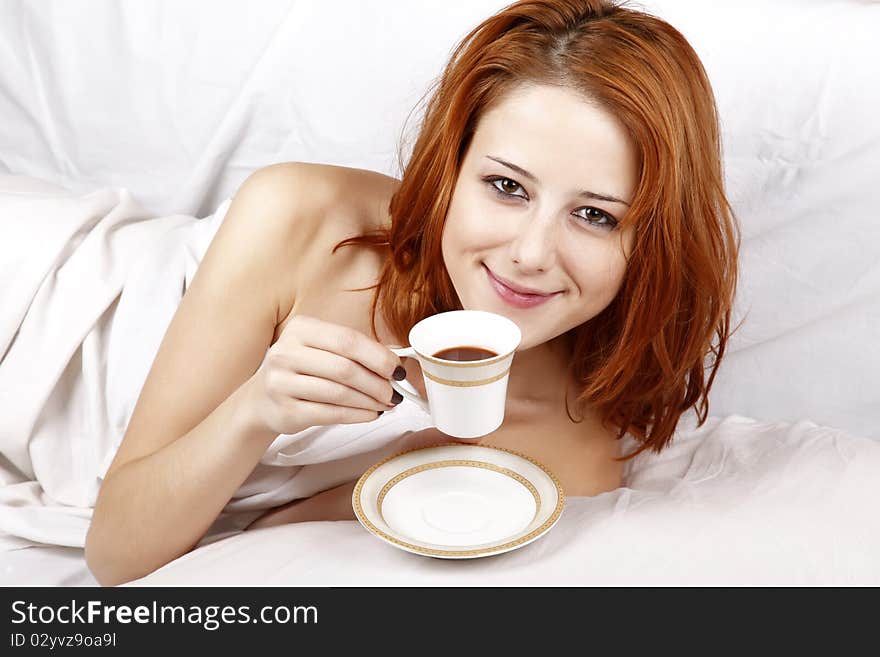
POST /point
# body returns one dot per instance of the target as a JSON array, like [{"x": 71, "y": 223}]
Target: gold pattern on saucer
[
  {"x": 359, "y": 511},
  {"x": 465, "y": 384},
  {"x": 464, "y": 463}
]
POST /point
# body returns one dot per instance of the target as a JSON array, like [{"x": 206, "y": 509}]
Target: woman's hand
[{"x": 320, "y": 373}]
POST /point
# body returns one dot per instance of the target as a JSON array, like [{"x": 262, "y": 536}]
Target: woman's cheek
[
  {"x": 471, "y": 231},
  {"x": 598, "y": 272}
]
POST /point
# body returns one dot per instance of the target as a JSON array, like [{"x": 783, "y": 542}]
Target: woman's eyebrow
[{"x": 585, "y": 193}]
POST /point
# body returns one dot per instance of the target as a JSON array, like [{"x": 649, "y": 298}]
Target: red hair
[{"x": 653, "y": 353}]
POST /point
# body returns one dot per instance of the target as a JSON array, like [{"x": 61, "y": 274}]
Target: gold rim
[
  {"x": 359, "y": 512},
  {"x": 458, "y": 363},
  {"x": 465, "y": 384}
]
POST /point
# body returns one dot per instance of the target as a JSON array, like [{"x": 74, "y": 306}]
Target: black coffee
[{"x": 465, "y": 353}]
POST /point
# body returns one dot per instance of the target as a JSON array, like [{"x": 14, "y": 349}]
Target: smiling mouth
[
  {"x": 514, "y": 288},
  {"x": 514, "y": 297}
]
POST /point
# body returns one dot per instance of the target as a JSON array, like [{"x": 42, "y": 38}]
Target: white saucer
[{"x": 458, "y": 501}]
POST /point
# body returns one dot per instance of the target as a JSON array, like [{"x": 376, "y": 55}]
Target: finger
[
  {"x": 333, "y": 367},
  {"x": 318, "y": 414},
  {"x": 349, "y": 343},
  {"x": 325, "y": 391}
]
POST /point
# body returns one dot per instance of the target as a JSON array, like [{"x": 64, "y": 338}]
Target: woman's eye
[
  {"x": 505, "y": 187},
  {"x": 596, "y": 217}
]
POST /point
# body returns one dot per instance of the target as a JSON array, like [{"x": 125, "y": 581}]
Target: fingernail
[
  {"x": 399, "y": 373},
  {"x": 396, "y": 398}
]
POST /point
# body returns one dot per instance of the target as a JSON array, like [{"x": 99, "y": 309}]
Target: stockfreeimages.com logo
[{"x": 210, "y": 617}]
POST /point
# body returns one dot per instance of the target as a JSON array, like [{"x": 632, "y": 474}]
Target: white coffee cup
[{"x": 466, "y": 399}]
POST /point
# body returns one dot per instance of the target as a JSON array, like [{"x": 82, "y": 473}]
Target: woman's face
[{"x": 545, "y": 181}]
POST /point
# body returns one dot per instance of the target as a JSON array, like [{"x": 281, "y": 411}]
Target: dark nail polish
[
  {"x": 396, "y": 398},
  {"x": 399, "y": 373}
]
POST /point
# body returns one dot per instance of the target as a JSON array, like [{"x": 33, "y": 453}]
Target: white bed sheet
[
  {"x": 45, "y": 565},
  {"x": 735, "y": 502}
]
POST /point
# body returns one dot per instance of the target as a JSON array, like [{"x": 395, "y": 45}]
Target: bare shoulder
[
  {"x": 357, "y": 199},
  {"x": 302, "y": 208},
  {"x": 296, "y": 186},
  {"x": 302, "y": 196}
]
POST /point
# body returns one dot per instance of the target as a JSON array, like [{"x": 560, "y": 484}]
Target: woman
[{"x": 567, "y": 175}]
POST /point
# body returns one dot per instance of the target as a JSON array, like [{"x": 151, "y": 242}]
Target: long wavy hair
[{"x": 653, "y": 353}]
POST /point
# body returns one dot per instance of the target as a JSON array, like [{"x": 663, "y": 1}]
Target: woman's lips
[{"x": 514, "y": 298}]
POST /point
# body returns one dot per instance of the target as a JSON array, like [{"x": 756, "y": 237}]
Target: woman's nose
[{"x": 533, "y": 249}]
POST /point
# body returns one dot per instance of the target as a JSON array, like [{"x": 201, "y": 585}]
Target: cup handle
[{"x": 408, "y": 352}]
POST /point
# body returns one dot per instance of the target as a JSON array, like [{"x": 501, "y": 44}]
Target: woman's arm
[
  {"x": 330, "y": 504},
  {"x": 191, "y": 441}
]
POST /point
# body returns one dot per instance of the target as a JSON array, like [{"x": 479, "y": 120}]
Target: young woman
[{"x": 567, "y": 175}]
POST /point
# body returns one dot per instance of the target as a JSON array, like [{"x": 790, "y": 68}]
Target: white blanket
[
  {"x": 735, "y": 502},
  {"x": 93, "y": 282},
  {"x": 90, "y": 283}
]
